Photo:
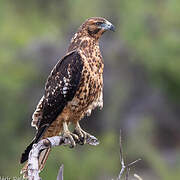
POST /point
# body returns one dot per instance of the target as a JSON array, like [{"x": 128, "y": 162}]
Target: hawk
[{"x": 73, "y": 89}]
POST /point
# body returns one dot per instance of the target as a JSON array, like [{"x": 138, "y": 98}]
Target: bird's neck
[
  {"x": 88, "y": 48},
  {"x": 83, "y": 41}
]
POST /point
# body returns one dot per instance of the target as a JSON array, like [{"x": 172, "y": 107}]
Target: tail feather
[{"x": 25, "y": 154}]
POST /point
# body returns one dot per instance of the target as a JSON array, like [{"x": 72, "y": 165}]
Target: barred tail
[{"x": 39, "y": 134}]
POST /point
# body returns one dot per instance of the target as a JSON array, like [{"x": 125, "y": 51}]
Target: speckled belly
[{"x": 88, "y": 96}]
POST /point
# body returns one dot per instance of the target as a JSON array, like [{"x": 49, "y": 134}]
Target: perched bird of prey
[{"x": 73, "y": 89}]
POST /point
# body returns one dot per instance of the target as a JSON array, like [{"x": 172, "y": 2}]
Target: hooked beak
[{"x": 108, "y": 26}]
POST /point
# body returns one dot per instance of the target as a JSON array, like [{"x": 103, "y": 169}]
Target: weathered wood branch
[
  {"x": 60, "y": 173},
  {"x": 124, "y": 168},
  {"x": 33, "y": 166}
]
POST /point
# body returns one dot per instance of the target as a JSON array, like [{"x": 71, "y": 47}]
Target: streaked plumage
[{"x": 74, "y": 87}]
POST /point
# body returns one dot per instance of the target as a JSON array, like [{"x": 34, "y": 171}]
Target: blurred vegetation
[{"x": 141, "y": 64}]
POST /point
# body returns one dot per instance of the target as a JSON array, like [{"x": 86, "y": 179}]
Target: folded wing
[{"x": 60, "y": 88}]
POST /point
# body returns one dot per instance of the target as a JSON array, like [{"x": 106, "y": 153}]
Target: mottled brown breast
[{"x": 89, "y": 94}]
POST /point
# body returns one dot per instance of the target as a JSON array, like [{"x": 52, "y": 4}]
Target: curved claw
[
  {"x": 69, "y": 137},
  {"x": 72, "y": 138},
  {"x": 81, "y": 136},
  {"x": 92, "y": 140},
  {"x": 75, "y": 137},
  {"x": 84, "y": 137}
]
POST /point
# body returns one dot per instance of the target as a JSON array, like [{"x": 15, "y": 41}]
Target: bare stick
[
  {"x": 138, "y": 177},
  {"x": 132, "y": 163},
  {"x": 33, "y": 167},
  {"x": 123, "y": 166},
  {"x": 127, "y": 174},
  {"x": 60, "y": 173}
]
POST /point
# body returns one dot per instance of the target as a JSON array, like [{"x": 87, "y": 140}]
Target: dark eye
[{"x": 98, "y": 23}]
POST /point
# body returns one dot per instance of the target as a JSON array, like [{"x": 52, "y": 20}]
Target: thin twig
[
  {"x": 138, "y": 177},
  {"x": 123, "y": 166},
  {"x": 127, "y": 173},
  {"x": 132, "y": 163},
  {"x": 60, "y": 173}
]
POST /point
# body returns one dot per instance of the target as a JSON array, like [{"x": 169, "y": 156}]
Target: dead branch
[
  {"x": 138, "y": 177},
  {"x": 127, "y": 174},
  {"x": 123, "y": 166},
  {"x": 33, "y": 167},
  {"x": 60, "y": 173}
]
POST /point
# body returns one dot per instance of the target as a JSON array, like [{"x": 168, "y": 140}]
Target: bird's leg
[
  {"x": 84, "y": 137},
  {"x": 73, "y": 138}
]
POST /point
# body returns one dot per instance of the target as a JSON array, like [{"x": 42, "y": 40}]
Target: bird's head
[{"x": 96, "y": 26}]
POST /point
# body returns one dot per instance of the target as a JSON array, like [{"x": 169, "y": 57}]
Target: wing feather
[{"x": 60, "y": 88}]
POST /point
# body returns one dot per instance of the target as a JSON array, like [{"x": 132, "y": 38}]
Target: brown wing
[{"x": 60, "y": 88}]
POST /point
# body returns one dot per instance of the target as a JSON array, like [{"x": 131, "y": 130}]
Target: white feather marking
[
  {"x": 97, "y": 102},
  {"x": 68, "y": 72},
  {"x": 66, "y": 80},
  {"x": 37, "y": 114},
  {"x": 74, "y": 38},
  {"x": 65, "y": 88},
  {"x": 100, "y": 101},
  {"x": 88, "y": 113}
]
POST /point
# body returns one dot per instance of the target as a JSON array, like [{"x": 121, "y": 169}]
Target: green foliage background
[{"x": 33, "y": 34}]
